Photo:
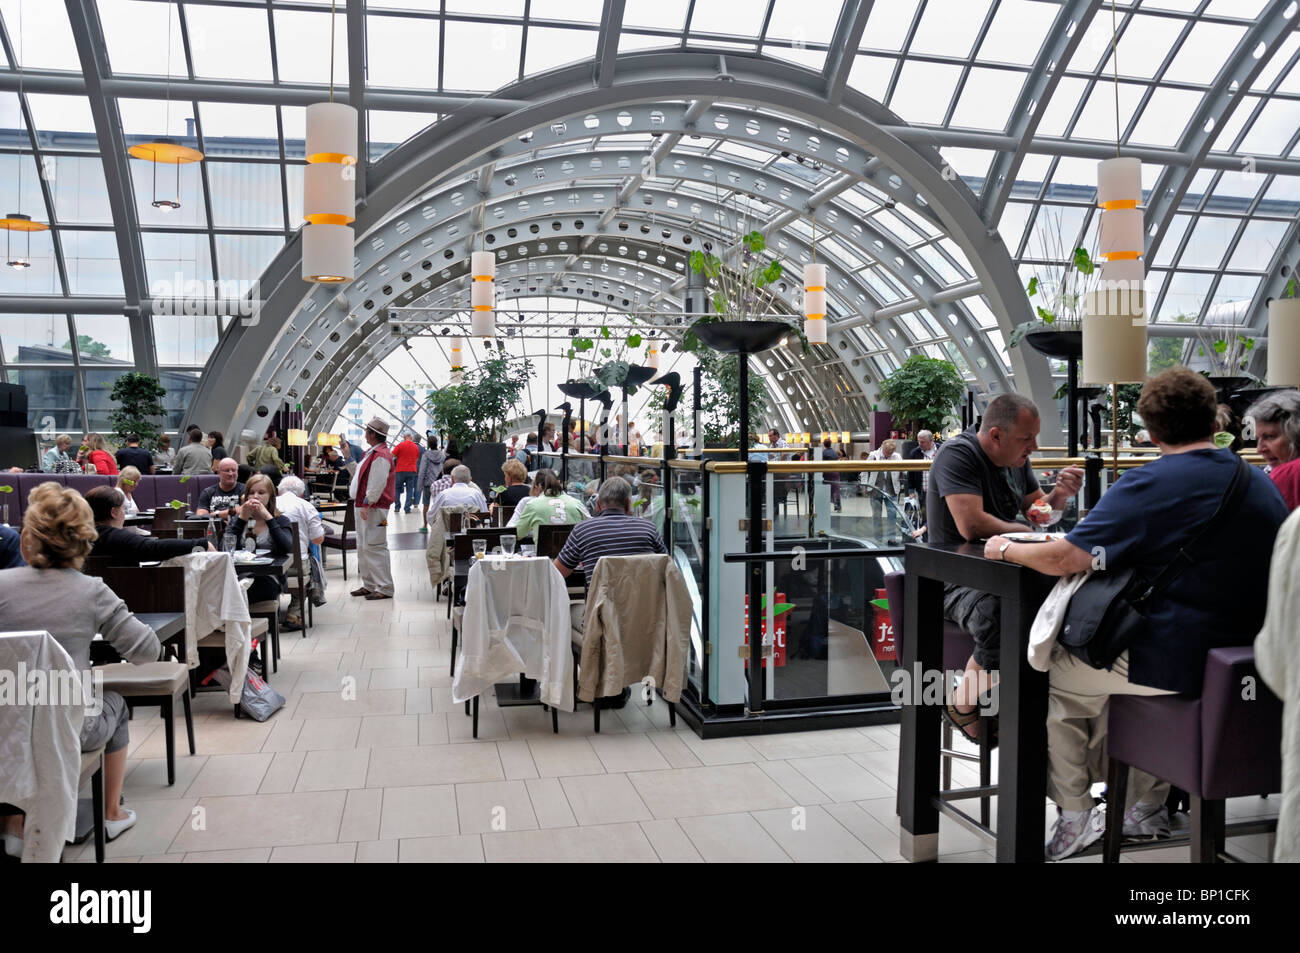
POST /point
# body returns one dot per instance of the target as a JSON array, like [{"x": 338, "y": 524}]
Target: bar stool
[{"x": 1218, "y": 746}]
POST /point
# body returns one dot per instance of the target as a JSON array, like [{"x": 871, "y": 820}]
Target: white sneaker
[
  {"x": 1074, "y": 831},
  {"x": 1147, "y": 822},
  {"x": 114, "y": 829},
  {"x": 13, "y": 845}
]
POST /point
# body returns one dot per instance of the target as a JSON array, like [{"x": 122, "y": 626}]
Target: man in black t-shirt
[
  {"x": 132, "y": 456},
  {"x": 980, "y": 482},
  {"x": 224, "y": 495}
]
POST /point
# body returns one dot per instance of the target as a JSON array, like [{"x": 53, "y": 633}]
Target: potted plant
[
  {"x": 923, "y": 393},
  {"x": 473, "y": 413},
  {"x": 1227, "y": 353},
  {"x": 741, "y": 299},
  {"x": 139, "y": 405},
  {"x": 1058, "y": 332}
]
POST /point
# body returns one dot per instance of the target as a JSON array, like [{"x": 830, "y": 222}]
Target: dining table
[{"x": 1021, "y": 788}]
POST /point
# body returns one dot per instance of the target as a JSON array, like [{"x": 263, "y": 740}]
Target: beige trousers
[
  {"x": 1077, "y": 701},
  {"x": 373, "y": 562}
]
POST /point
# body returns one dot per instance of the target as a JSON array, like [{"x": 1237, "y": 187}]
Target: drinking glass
[
  {"x": 527, "y": 550},
  {"x": 508, "y": 545},
  {"x": 480, "y": 548},
  {"x": 228, "y": 544}
]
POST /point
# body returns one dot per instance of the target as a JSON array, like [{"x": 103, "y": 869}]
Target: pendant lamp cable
[
  {"x": 22, "y": 61},
  {"x": 332, "y": 12},
  {"x": 1114, "y": 60}
]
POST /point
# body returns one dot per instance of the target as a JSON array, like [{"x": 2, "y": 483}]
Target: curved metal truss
[{"x": 531, "y": 173}]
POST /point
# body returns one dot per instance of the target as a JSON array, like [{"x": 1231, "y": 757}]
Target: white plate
[
  {"x": 1032, "y": 537},
  {"x": 259, "y": 561}
]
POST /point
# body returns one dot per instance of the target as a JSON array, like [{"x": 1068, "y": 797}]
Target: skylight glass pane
[
  {"x": 871, "y": 75},
  {"x": 1241, "y": 9},
  {"x": 924, "y": 91},
  {"x": 1059, "y": 109},
  {"x": 393, "y": 128},
  {"x": 1011, "y": 226},
  {"x": 1277, "y": 62},
  {"x": 888, "y": 25},
  {"x": 968, "y": 163},
  {"x": 246, "y": 194},
  {"x": 739, "y": 20},
  {"x": 1143, "y": 45},
  {"x": 35, "y": 339},
  {"x": 167, "y": 182},
  {"x": 1231, "y": 127},
  {"x": 949, "y": 27},
  {"x": 670, "y": 14},
  {"x": 804, "y": 21},
  {"x": 630, "y": 42},
  {"x": 1169, "y": 243},
  {"x": 173, "y": 259},
  {"x": 302, "y": 46},
  {"x": 136, "y": 32},
  {"x": 40, "y": 278},
  {"x": 80, "y": 193},
  {"x": 239, "y": 129},
  {"x": 1274, "y": 129},
  {"x": 147, "y": 119},
  {"x": 577, "y": 11},
  {"x": 232, "y": 43},
  {"x": 103, "y": 338},
  {"x": 479, "y": 57},
  {"x": 548, "y": 48},
  {"x": 1184, "y": 295},
  {"x": 244, "y": 257},
  {"x": 1018, "y": 32},
  {"x": 1094, "y": 46},
  {"x": 800, "y": 56},
  {"x": 1097, "y": 121},
  {"x": 45, "y": 41},
  {"x": 1165, "y": 117},
  {"x": 1056, "y": 233},
  {"x": 187, "y": 340},
  {"x": 1257, "y": 246},
  {"x": 1238, "y": 184},
  {"x": 92, "y": 262},
  {"x": 403, "y": 52},
  {"x": 1208, "y": 243},
  {"x": 987, "y": 99},
  {"x": 55, "y": 114},
  {"x": 1207, "y": 43},
  {"x": 30, "y": 201},
  {"x": 505, "y": 8}
]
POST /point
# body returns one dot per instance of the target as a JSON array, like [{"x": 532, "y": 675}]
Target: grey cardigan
[{"x": 72, "y": 607}]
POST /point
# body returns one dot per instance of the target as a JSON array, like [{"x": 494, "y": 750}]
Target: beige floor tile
[
  {"x": 162, "y": 859},
  {"x": 418, "y": 701},
  {"x": 283, "y": 774},
  {"x": 670, "y": 842},
  {"x": 315, "y": 854},
  {"x": 674, "y": 750},
  {"x": 265, "y": 820},
  {"x": 717, "y": 751},
  {"x": 455, "y": 849},
  {"x": 377, "y": 852},
  {"x": 244, "y": 855},
  {"x": 147, "y": 778},
  {"x": 284, "y": 733},
  {"x": 558, "y": 756},
  {"x": 881, "y": 841},
  {"x": 614, "y": 843},
  {"x": 437, "y": 764},
  {"x": 811, "y": 835},
  {"x": 953, "y": 838},
  {"x": 385, "y": 659},
  {"x": 724, "y": 789},
  {"x": 224, "y": 735},
  {"x": 433, "y": 728},
  {"x": 841, "y": 778},
  {"x": 631, "y": 752},
  {"x": 603, "y": 799},
  {"x": 793, "y": 783},
  {"x": 494, "y": 806},
  {"x": 383, "y": 678},
  {"x": 333, "y": 770},
  {"x": 811, "y": 743},
  {"x": 884, "y": 765},
  {"x": 157, "y": 824},
  {"x": 420, "y": 811},
  {"x": 327, "y": 682},
  {"x": 549, "y": 803},
  {"x": 389, "y": 731},
  {"x": 335, "y": 705},
  {"x": 230, "y": 774},
  {"x": 491, "y": 725},
  {"x": 732, "y": 838},
  {"x": 361, "y": 814},
  {"x": 324, "y": 734},
  {"x": 516, "y": 759}
]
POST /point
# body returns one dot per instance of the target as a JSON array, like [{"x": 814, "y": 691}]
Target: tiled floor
[{"x": 371, "y": 761}]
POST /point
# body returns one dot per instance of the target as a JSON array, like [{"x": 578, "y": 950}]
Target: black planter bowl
[
  {"x": 742, "y": 337},
  {"x": 1241, "y": 400},
  {"x": 579, "y": 390},
  {"x": 638, "y": 375},
  {"x": 1061, "y": 345},
  {"x": 1226, "y": 385}
]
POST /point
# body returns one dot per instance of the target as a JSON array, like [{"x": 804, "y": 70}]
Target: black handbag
[{"x": 1108, "y": 611}]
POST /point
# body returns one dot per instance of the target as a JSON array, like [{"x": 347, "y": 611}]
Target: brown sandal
[{"x": 961, "y": 721}]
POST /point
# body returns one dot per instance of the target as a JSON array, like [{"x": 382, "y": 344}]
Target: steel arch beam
[
  {"x": 455, "y": 146},
  {"x": 1271, "y": 30}
]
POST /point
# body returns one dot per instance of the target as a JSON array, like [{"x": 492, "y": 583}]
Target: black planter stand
[
  {"x": 484, "y": 461},
  {"x": 1063, "y": 346},
  {"x": 744, "y": 338}
]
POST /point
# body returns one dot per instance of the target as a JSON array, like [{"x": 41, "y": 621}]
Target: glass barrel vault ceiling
[{"x": 965, "y": 74}]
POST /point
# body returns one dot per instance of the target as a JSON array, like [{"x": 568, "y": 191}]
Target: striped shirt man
[{"x": 611, "y": 533}]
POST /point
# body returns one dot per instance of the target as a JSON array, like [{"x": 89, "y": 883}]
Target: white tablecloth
[
  {"x": 215, "y": 600},
  {"x": 516, "y": 620}
]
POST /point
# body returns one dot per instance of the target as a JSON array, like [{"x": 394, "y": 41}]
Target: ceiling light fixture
[
  {"x": 17, "y": 221},
  {"x": 329, "y": 187}
]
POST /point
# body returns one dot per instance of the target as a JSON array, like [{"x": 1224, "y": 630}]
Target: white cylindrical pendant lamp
[
  {"x": 1119, "y": 183},
  {"x": 652, "y": 358},
  {"x": 482, "y": 265},
  {"x": 327, "y": 253},
  {"x": 481, "y": 295},
  {"x": 1123, "y": 270},
  {"x": 331, "y": 133},
  {"x": 483, "y": 324},
  {"x": 814, "y": 304},
  {"x": 1284, "y": 342},
  {"x": 457, "y": 352},
  {"x": 1121, "y": 234},
  {"x": 1114, "y": 337},
  {"x": 815, "y": 330},
  {"x": 329, "y": 195},
  {"x": 814, "y": 277}
]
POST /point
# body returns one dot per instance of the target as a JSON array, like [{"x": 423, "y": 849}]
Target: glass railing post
[{"x": 757, "y": 478}]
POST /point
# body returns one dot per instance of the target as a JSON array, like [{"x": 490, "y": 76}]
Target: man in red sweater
[{"x": 407, "y": 455}]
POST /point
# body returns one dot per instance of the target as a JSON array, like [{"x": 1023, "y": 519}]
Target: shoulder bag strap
[{"x": 1232, "y": 499}]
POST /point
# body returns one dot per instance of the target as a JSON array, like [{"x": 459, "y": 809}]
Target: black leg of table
[
  {"x": 1022, "y": 736},
  {"x": 918, "y": 763}
]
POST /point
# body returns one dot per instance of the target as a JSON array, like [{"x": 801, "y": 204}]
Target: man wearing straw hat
[{"x": 372, "y": 492}]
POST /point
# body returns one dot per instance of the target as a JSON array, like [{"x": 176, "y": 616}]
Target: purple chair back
[
  {"x": 151, "y": 492},
  {"x": 957, "y": 642}
]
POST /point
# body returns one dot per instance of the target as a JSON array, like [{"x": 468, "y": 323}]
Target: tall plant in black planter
[
  {"x": 473, "y": 413},
  {"x": 139, "y": 407},
  {"x": 923, "y": 392}
]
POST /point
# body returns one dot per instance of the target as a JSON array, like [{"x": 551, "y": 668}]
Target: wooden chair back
[
  {"x": 551, "y": 539},
  {"x": 149, "y": 588}
]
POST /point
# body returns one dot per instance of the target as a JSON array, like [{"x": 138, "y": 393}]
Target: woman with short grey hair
[{"x": 1277, "y": 429}]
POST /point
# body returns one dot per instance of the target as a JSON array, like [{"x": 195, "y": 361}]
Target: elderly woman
[
  {"x": 164, "y": 456},
  {"x": 548, "y": 504},
  {"x": 256, "y": 518},
  {"x": 61, "y": 452},
  {"x": 128, "y": 481},
  {"x": 51, "y": 593},
  {"x": 1141, "y": 523},
  {"x": 1277, "y": 428}
]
